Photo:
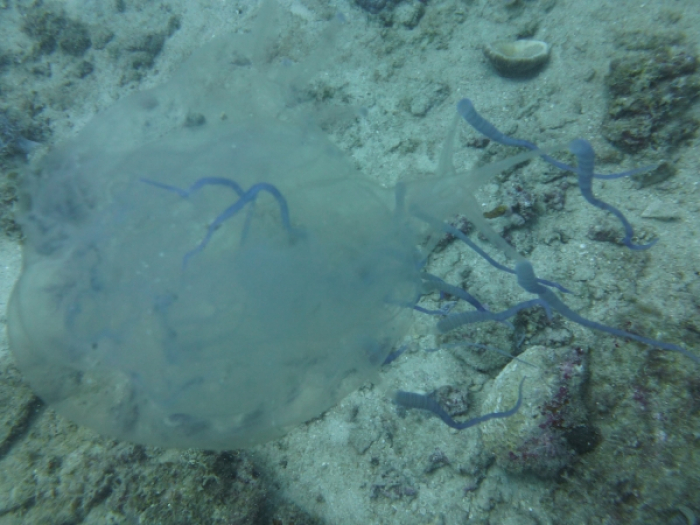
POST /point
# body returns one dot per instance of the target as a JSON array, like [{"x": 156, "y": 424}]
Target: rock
[{"x": 550, "y": 429}]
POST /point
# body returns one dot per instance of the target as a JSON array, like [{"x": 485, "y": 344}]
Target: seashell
[{"x": 517, "y": 58}]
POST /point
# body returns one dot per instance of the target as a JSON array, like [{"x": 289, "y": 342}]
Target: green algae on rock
[{"x": 651, "y": 96}]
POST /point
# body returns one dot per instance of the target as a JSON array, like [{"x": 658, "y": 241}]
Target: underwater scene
[{"x": 349, "y": 262}]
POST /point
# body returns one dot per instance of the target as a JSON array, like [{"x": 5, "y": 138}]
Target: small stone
[
  {"x": 518, "y": 58},
  {"x": 663, "y": 171},
  {"x": 662, "y": 212}
]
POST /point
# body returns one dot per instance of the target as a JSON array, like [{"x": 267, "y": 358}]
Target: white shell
[{"x": 519, "y": 57}]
